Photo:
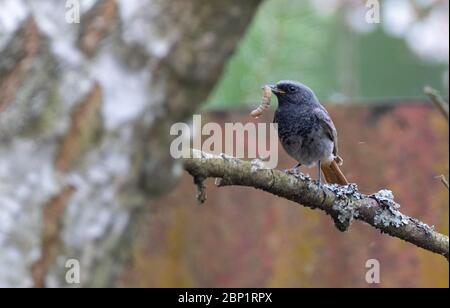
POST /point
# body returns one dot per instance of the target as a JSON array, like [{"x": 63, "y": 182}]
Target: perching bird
[{"x": 306, "y": 130}]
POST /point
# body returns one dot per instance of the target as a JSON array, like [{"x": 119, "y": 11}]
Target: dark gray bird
[{"x": 306, "y": 130}]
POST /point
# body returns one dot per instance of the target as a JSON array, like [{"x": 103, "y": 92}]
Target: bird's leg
[
  {"x": 296, "y": 166},
  {"x": 293, "y": 169},
  {"x": 319, "y": 176}
]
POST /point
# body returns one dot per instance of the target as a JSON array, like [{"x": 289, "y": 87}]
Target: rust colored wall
[{"x": 246, "y": 238}]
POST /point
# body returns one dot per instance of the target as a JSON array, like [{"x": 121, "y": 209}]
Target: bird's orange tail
[{"x": 333, "y": 173}]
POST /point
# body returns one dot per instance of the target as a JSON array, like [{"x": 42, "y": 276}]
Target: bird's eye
[{"x": 292, "y": 89}]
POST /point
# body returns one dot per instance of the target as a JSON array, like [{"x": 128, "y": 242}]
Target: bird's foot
[
  {"x": 319, "y": 183},
  {"x": 294, "y": 170}
]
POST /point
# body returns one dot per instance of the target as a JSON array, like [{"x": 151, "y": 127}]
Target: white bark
[{"x": 85, "y": 110}]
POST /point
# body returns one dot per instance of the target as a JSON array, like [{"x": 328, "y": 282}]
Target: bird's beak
[{"x": 276, "y": 90}]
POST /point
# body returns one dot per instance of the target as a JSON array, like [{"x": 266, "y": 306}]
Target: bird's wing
[{"x": 328, "y": 126}]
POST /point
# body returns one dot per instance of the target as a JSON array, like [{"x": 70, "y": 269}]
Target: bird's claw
[{"x": 292, "y": 171}]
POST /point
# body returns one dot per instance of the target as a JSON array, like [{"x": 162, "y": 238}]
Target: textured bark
[
  {"x": 85, "y": 111},
  {"x": 343, "y": 203}
]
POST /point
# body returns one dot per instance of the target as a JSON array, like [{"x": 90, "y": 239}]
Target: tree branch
[
  {"x": 443, "y": 180},
  {"x": 437, "y": 100},
  {"x": 343, "y": 203}
]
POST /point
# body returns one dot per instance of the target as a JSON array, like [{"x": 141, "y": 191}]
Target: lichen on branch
[{"x": 343, "y": 203}]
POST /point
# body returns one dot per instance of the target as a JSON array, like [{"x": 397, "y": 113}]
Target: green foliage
[
  {"x": 288, "y": 40},
  {"x": 388, "y": 68}
]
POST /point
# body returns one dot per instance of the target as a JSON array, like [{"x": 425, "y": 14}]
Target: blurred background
[
  {"x": 329, "y": 46},
  {"x": 85, "y": 112}
]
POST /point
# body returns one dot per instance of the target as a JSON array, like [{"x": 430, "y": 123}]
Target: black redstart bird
[{"x": 306, "y": 130}]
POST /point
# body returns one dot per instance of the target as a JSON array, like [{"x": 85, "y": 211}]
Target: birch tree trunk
[{"x": 85, "y": 111}]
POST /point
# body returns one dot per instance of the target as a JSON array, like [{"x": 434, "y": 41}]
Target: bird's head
[{"x": 292, "y": 92}]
